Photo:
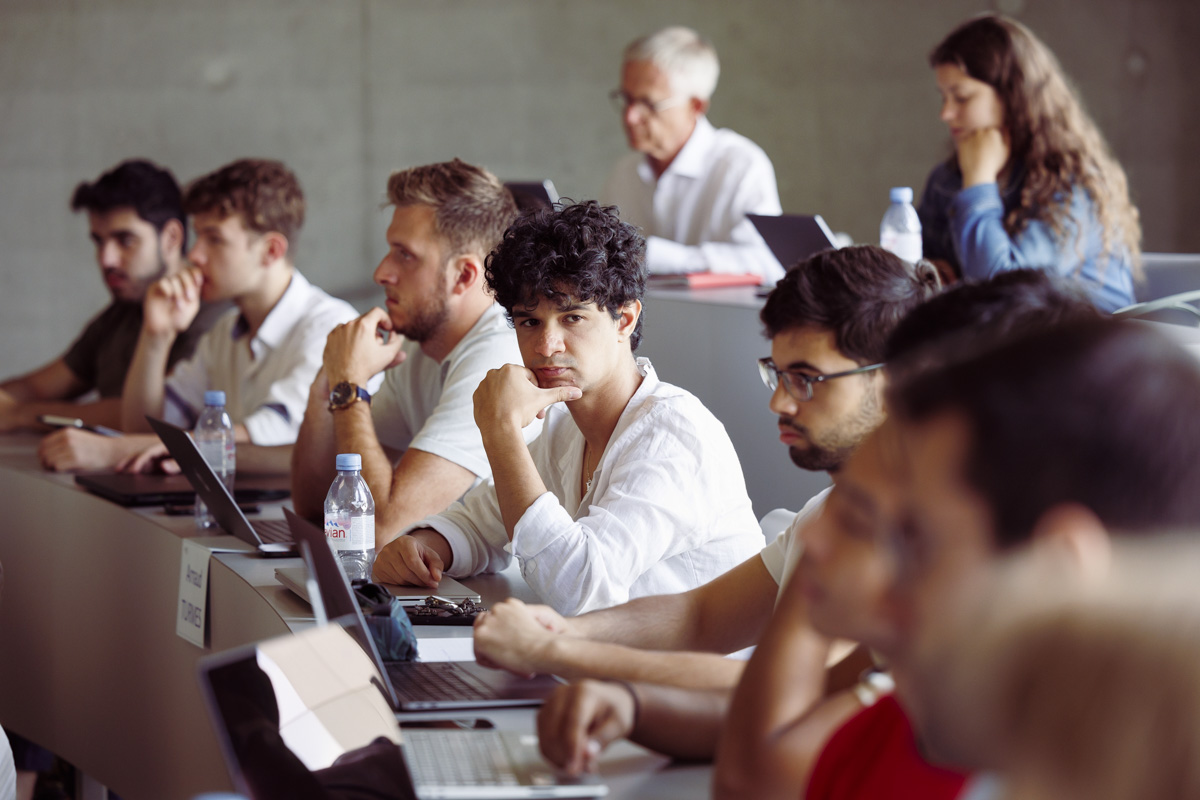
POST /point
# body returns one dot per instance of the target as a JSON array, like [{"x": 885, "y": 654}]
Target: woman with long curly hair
[{"x": 1032, "y": 182}]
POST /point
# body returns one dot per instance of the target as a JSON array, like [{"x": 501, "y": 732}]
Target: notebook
[
  {"x": 411, "y": 685},
  {"x": 793, "y": 237},
  {"x": 303, "y": 713},
  {"x": 270, "y": 537},
  {"x": 159, "y": 490}
]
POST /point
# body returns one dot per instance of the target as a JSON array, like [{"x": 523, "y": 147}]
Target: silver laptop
[
  {"x": 411, "y": 685},
  {"x": 270, "y": 537},
  {"x": 303, "y": 716},
  {"x": 793, "y": 237}
]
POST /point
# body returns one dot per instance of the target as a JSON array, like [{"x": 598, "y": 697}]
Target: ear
[
  {"x": 276, "y": 247},
  {"x": 1073, "y": 534},
  {"x": 466, "y": 272},
  {"x": 699, "y": 106},
  {"x": 628, "y": 318},
  {"x": 170, "y": 238}
]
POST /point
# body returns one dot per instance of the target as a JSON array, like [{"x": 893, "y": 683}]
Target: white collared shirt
[
  {"x": 266, "y": 377},
  {"x": 694, "y": 214},
  {"x": 667, "y": 510}
]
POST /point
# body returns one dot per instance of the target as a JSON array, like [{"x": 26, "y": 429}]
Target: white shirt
[
  {"x": 783, "y": 554},
  {"x": 667, "y": 510},
  {"x": 266, "y": 377},
  {"x": 430, "y": 406},
  {"x": 694, "y": 214}
]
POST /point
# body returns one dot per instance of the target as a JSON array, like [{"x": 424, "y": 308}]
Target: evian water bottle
[{"x": 350, "y": 518}]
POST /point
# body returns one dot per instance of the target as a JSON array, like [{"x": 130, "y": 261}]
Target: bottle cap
[
  {"x": 214, "y": 397},
  {"x": 348, "y": 461},
  {"x": 901, "y": 194}
]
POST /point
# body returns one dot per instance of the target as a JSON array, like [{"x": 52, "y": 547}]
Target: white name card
[{"x": 193, "y": 593}]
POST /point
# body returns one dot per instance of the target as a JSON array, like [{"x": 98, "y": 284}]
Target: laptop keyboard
[
  {"x": 459, "y": 758},
  {"x": 437, "y": 680},
  {"x": 272, "y": 531}
]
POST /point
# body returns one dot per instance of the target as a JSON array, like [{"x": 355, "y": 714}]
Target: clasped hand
[
  {"x": 173, "y": 302},
  {"x": 982, "y": 155},
  {"x": 510, "y": 396},
  {"x": 512, "y": 635},
  {"x": 357, "y": 350}
]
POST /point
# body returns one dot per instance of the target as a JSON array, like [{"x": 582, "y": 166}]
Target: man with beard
[
  {"x": 828, "y": 320},
  {"x": 137, "y": 224},
  {"x": 439, "y": 335},
  {"x": 633, "y": 487}
]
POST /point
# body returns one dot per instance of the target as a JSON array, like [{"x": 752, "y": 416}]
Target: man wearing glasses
[
  {"x": 688, "y": 185},
  {"x": 828, "y": 321}
]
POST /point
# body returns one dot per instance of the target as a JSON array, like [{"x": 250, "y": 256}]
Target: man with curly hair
[{"x": 633, "y": 488}]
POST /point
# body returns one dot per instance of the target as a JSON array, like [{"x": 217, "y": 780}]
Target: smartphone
[{"x": 476, "y": 724}]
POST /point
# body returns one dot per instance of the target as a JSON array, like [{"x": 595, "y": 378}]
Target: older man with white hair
[{"x": 688, "y": 185}]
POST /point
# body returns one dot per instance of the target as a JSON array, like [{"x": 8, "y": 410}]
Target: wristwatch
[{"x": 346, "y": 394}]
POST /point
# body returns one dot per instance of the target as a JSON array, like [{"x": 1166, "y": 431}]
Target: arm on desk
[{"x": 723, "y": 615}]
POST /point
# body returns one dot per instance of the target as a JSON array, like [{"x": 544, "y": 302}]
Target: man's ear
[
  {"x": 628, "y": 318},
  {"x": 1073, "y": 533},
  {"x": 466, "y": 272},
  {"x": 170, "y": 238},
  {"x": 276, "y": 247},
  {"x": 698, "y": 106}
]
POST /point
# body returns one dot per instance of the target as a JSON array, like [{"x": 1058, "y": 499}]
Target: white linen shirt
[
  {"x": 667, "y": 510},
  {"x": 694, "y": 214},
  {"x": 427, "y": 405},
  {"x": 266, "y": 377},
  {"x": 783, "y": 554}
]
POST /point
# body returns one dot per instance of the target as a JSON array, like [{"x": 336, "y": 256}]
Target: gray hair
[{"x": 687, "y": 58}]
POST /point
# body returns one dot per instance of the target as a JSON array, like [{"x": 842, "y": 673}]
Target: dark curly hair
[
  {"x": 581, "y": 252},
  {"x": 860, "y": 293}
]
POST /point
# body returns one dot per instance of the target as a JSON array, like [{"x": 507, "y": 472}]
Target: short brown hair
[
  {"x": 472, "y": 208},
  {"x": 264, "y": 193}
]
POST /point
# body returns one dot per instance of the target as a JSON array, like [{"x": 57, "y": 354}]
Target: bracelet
[
  {"x": 872, "y": 685},
  {"x": 637, "y": 705}
]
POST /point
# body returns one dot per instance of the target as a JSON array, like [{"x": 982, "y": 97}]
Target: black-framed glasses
[
  {"x": 799, "y": 385},
  {"x": 622, "y": 102}
]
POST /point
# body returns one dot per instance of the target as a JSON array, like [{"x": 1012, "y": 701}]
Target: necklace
[{"x": 588, "y": 475}]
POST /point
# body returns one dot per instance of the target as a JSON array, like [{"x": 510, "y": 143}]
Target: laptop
[
  {"x": 270, "y": 537},
  {"x": 303, "y": 716},
  {"x": 412, "y": 685},
  {"x": 793, "y": 237},
  {"x": 134, "y": 489},
  {"x": 532, "y": 195}
]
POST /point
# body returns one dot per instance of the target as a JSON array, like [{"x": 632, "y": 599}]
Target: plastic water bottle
[
  {"x": 900, "y": 230},
  {"x": 350, "y": 518},
  {"x": 213, "y": 436}
]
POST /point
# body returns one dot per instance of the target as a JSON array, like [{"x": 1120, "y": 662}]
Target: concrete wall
[{"x": 837, "y": 93}]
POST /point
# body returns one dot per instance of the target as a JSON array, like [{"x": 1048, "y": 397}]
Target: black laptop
[
  {"x": 270, "y": 537},
  {"x": 793, "y": 237},
  {"x": 135, "y": 489},
  {"x": 411, "y": 685}
]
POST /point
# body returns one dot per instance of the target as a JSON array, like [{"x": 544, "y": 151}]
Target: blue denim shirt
[{"x": 966, "y": 228}]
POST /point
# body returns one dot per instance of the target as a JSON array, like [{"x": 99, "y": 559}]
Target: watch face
[{"x": 341, "y": 394}]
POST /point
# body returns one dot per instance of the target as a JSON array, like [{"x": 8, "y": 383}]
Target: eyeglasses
[
  {"x": 797, "y": 385},
  {"x": 622, "y": 103}
]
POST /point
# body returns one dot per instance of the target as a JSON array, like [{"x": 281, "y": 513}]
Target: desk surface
[{"x": 91, "y": 666}]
